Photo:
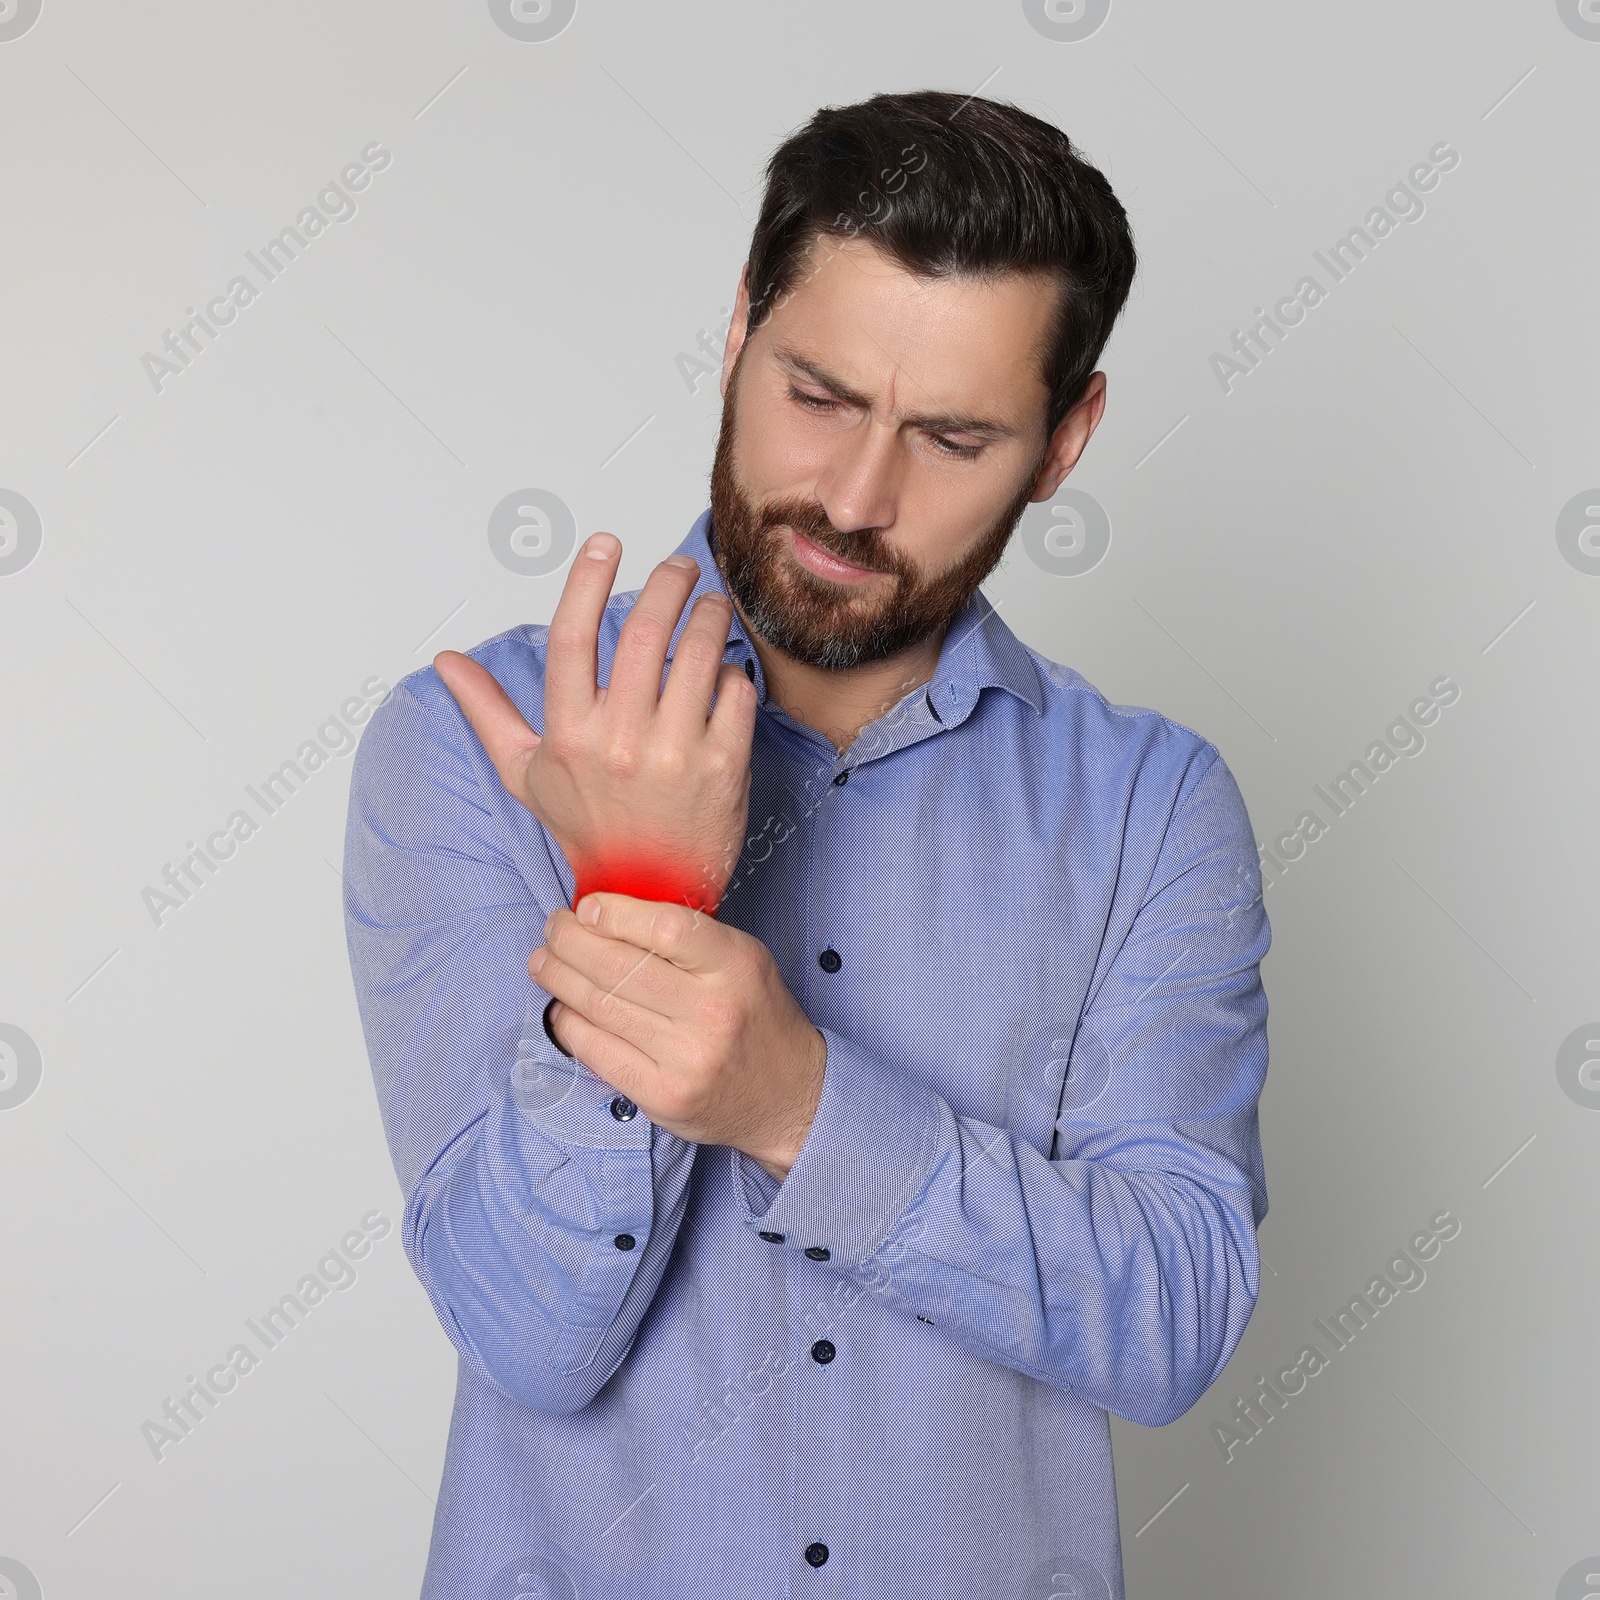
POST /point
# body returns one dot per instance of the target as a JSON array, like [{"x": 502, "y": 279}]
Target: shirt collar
[{"x": 979, "y": 650}]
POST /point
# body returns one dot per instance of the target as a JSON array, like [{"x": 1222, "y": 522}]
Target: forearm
[
  {"x": 543, "y": 1243},
  {"x": 518, "y": 1180},
  {"x": 1126, "y": 1282}
]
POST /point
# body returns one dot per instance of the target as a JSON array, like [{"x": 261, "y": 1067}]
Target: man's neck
[{"x": 839, "y": 704}]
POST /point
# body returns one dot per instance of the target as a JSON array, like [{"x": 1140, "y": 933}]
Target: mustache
[{"x": 860, "y": 549}]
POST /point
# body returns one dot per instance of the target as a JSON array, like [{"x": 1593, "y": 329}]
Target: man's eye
[{"x": 946, "y": 447}]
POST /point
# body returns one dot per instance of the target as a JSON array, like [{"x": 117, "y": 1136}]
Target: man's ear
[
  {"x": 738, "y": 328},
  {"x": 1072, "y": 434}
]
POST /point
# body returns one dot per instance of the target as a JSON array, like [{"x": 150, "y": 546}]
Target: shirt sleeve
[
  {"x": 1124, "y": 1265},
  {"x": 537, "y": 1218}
]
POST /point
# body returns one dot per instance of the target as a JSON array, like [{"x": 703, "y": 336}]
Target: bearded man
[{"x": 882, "y": 1112}]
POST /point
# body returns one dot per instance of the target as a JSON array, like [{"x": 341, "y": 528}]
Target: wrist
[
  {"x": 779, "y": 1161},
  {"x": 672, "y": 883}
]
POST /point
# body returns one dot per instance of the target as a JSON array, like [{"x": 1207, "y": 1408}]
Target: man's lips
[{"x": 822, "y": 562}]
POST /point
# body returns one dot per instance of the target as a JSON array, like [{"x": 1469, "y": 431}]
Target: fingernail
[
  {"x": 589, "y": 910},
  {"x": 547, "y": 921},
  {"x": 683, "y": 563},
  {"x": 537, "y": 959},
  {"x": 601, "y": 546}
]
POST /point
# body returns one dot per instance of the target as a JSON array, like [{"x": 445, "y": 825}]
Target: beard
[{"x": 825, "y": 624}]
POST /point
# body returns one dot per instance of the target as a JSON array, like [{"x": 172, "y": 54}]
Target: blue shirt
[{"x": 1028, "y": 925}]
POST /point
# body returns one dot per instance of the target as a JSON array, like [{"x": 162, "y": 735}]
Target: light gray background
[{"x": 306, "y": 507}]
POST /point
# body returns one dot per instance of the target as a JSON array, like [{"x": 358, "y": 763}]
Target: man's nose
[{"x": 863, "y": 479}]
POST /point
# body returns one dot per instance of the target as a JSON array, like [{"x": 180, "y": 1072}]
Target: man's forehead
[{"x": 857, "y": 319}]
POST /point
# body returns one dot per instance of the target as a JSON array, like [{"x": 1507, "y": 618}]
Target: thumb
[{"x": 503, "y": 730}]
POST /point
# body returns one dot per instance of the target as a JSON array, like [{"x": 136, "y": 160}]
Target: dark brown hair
[{"x": 948, "y": 184}]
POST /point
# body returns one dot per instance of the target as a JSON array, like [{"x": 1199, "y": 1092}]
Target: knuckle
[
  {"x": 563, "y": 742},
  {"x": 675, "y": 1101},
  {"x": 566, "y": 635},
  {"x": 700, "y": 652},
  {"x": 644, "y": 632},
  {"x": 621, "y": 760},
  {"x": 720, "y": 763},
  {"x": 646, "y": 980},
  {"x": 719, "y": 1017},
  {"x": 668, "y": 930},
  {"x": 606, "y": 1009}
]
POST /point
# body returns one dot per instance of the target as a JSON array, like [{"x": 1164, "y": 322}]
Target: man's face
[{"x": 881, "y": 436}]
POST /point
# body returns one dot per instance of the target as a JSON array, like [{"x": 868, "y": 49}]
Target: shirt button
[
  {"x": 823, "y": 1351},
  {"x": 818, "y": 1252},
  {"x": 772, "y": 1238},
  {"x": 830, "y": 961},
  {"x": 843, "y": 776},
  {"x": 624, "y": 1241},
  {"x": 816, "y": 1554},
  {"x": 623, "y": 1109}
]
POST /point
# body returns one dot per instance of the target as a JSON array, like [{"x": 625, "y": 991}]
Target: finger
[
  {"x": 686, "y": 700},
  {"x": 629, "y": 971},
  {"x": 502, "y": 729},
  {"x": 572, "y": 665},
  {"x": 602, "y": 1006},
  {"x": 733, "y": 718},
  {"x": 689, "y": 939},
  {"x": 634, "y": 689},
  {"x": 625, "y": 1067}
]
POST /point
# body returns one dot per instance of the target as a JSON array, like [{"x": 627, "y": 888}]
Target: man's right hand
[{"x": 646, "y": 790}]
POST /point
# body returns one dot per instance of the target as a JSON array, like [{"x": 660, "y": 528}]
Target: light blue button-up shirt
[{"x": 1028, "y": 925}]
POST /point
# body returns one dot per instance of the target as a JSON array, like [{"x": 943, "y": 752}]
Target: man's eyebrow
[{"x": 936, "y": 422}]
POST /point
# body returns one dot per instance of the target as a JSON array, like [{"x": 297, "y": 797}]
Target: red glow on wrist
[{"x": 671, "y": 882}]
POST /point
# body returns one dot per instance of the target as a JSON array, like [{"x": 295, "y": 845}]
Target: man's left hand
[{"x": 689, "y": 1018}]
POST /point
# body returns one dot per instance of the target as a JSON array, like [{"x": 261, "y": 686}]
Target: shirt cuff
[
  {"x": 566, "y": 1101},
  {"x": 869, "y": 1153}
]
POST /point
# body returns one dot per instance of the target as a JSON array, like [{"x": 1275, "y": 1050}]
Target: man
[{"x": 882, "y": 1112}]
